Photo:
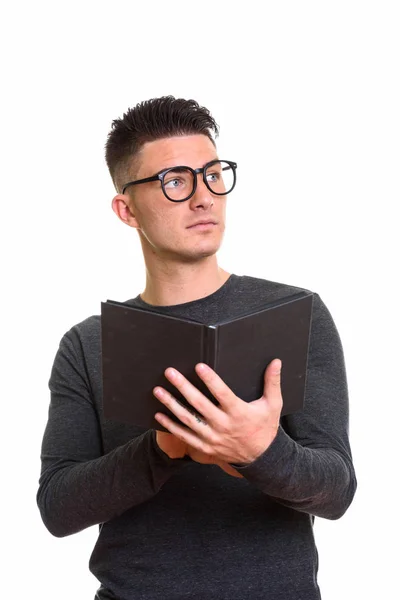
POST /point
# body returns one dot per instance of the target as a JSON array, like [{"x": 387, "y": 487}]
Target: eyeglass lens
[{"x": 179, "y": 183}]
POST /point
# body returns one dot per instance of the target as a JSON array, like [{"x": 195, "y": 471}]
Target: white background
[{"x": 307, "y": 98}]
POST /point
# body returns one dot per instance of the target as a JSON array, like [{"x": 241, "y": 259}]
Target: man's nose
[{"x": 202, "y": 195}]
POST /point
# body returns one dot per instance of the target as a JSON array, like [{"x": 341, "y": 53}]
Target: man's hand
[
  {"x": 233, "y": 432},
  {"x": 171, "y": 445},
  {"x": 176, "y": 448},
  {"x": 206, "y": 459}
]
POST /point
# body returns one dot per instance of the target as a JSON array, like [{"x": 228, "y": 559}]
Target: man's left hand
[{"x": 233, "y": 432}]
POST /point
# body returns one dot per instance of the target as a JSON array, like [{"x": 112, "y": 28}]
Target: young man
[{"x": 220, "y": 508}]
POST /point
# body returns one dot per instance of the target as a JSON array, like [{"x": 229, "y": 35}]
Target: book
[{"x": 139, "y": 344}]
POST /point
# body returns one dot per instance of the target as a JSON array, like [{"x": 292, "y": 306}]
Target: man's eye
[
  {"x": 213, "y": 177},
  {"x": 173, "y": 183}
]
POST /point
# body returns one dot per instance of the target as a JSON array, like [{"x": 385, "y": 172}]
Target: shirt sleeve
[
  {"x": 308, "y": 466},
  {"x": 78, "y": 485}
]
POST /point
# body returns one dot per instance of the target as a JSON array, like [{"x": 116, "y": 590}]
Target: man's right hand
[
  {"x": 175, "y": 448},
  {"x": 171, "y": 445}
]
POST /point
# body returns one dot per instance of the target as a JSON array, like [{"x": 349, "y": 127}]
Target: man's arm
[
  {"x": 309, "y": 466},
  {"x": 79, "y": 486}
]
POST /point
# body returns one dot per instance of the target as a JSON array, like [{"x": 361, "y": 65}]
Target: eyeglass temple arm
[{"x": 145, "y": 180}]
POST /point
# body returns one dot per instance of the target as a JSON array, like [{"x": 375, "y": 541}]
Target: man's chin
[
  {"x": 185, "y": 253},
  {"x": 197, "y": 254}
]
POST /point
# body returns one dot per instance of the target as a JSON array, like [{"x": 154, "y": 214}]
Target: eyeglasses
[{"x": 180, "y": 183}]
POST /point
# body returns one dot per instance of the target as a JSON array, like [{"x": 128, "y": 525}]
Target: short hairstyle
[{"x": 148, "y": 121}]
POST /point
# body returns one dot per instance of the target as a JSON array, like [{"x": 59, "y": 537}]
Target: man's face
[{"x": 165, "y": 227}]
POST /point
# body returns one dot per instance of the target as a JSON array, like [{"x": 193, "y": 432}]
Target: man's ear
[{"x": 122, "y": 206}]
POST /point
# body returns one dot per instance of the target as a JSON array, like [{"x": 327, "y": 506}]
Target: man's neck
[{"x": 183, "y": 285}]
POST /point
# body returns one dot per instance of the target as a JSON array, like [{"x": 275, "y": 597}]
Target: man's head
[
  {"x": 152, "y": 137},
  {"x": 149, "y": 121}
]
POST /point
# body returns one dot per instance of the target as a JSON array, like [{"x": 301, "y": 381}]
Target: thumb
[
  {"x": 272, "y": 384},
  {"x": 228, "y": 469}
]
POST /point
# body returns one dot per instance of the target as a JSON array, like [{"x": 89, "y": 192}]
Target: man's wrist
[{"x": 258, "y": 455}]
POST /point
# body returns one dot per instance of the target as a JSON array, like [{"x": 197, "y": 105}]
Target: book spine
[{"x": 210, "y": 345}]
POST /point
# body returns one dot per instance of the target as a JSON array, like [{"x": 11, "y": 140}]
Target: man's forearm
[
  {"x": 73, "y": 496},
  {"x": 319, "y": 481}
]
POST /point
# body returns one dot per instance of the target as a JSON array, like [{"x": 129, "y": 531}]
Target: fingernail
[{"x": 172, "y": 373}]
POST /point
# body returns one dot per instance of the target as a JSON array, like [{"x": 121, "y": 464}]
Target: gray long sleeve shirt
[{"x": 174, "y": 529}]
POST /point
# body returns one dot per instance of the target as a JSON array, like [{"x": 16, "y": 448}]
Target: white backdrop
[{"x": 307, "y": 98}]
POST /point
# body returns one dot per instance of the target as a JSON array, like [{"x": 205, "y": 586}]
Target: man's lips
[{"x": 202, "y": 224}]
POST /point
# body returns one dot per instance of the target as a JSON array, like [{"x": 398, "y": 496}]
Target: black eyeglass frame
[{"x": 160, "y": 176}]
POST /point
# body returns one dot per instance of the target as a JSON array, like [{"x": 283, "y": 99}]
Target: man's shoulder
[
  {"x": 84, "y": 335},
  {"x": 87, "y": 332},
  {"x": 266, "y": 288},
  {"x": 89, "y": 326}
]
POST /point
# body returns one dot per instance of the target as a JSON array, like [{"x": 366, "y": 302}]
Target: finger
[
  {"x": 201, "y": 403},
  {"x": 230, "y": 470},
  {"x": 189, "y": 418},
  {"x": 272, "y": 384},
  {"x": 182, "y": 433},
  {"x": 226, "y": 398}
]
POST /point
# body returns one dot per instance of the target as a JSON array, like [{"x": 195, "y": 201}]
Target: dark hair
[{"x": 151, "y": 120}]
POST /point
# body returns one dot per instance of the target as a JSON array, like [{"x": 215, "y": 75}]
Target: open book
[{"x": 138, "y": 345}]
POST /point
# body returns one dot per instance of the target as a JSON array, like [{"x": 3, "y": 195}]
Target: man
[{"x": 218, "y": 508}]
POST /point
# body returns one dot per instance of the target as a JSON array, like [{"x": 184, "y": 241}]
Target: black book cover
[{"x": 138, "y": 345}]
